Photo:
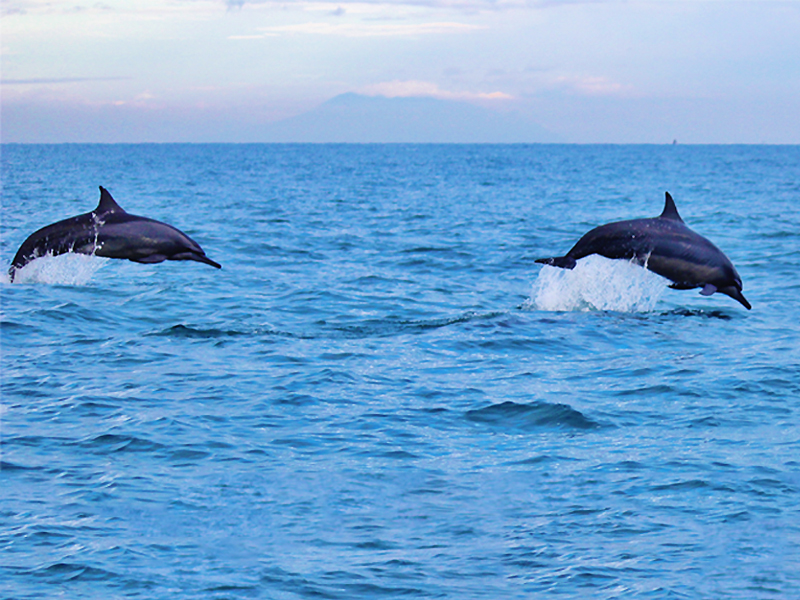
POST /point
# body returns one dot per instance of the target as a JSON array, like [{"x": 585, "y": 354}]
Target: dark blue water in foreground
[{"x": 381, "y": 395}]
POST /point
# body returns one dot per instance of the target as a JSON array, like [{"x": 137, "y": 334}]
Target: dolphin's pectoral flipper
[
  {"x": 563, "y": 262},
  {"x": 708, "y": 289}
]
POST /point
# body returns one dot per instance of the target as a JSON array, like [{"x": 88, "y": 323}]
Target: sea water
[{"x": 382, "y": 395}]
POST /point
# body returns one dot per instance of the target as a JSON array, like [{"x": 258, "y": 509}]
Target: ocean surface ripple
[{"x": 381, "y": 395}]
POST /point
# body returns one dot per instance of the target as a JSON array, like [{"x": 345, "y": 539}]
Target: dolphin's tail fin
[{"x": 562, "y": 262}]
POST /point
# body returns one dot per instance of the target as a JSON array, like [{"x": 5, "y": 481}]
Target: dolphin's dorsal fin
[
  {"x": 670, "y": 211},
  {"x": 107, "y": 203}
]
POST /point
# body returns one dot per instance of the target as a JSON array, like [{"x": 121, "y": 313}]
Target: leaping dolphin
[
  {"x": 111, "y": 232},
  {"x": 666, "y": 246}
]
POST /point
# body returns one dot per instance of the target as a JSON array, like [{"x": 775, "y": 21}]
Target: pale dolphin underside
[
  {"x": 664, "y": 245},
  {"x": 110, "y": 232}
]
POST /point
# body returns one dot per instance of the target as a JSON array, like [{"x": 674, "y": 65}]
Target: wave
[
  {"x": 368, "y": 328},
  {"x": 65, "y": 572},
  {"x": 597, "y": 283},
  {"x": 181, "y": 331},
  {"x": 111, "y": 442},
  {"x": 536, "y": 415},
  {"x": 8, "y": 467},
  {"x": 704, "y": 314},
  {"x": 391, "y": 326}
]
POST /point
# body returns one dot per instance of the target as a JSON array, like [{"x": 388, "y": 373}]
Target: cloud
[
  {"x": 588, "y": 85},
  {"x": 426, "y": 89},
  {"x": 467, "y": 5},
  {"x": 57, "y": 80},
  {"x": 367, "y": 29}
]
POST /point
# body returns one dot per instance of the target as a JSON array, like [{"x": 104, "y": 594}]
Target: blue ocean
[{"x": 382, "y": 395}]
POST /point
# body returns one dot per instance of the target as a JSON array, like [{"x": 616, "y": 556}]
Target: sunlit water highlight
[{"x": 380, "y": 394}]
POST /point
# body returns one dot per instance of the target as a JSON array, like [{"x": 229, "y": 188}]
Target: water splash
[
  {"x": 65, "y": 269},
  {"x": 597, "y": 283}
]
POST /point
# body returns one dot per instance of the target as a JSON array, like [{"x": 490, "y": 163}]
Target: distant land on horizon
[
  {"x": 349, "y": 118},
  {"x": 356, "y": 118}
]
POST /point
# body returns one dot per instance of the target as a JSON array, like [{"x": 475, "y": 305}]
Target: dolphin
[
  {"x": 664, "y": 245},
  {"x": 111, "y": 232}
]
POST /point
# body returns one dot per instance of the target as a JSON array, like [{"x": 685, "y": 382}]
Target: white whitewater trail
[
  {"x": 65, "y": 269},
  {"x": 597, "y": 283}
]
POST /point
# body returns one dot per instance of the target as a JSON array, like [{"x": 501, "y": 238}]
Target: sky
[{"x": 591, "y": 71}]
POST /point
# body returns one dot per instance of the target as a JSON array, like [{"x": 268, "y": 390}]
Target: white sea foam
[
  {"x": 597, "y": 283},
  {"x": 64, "y": 269}
]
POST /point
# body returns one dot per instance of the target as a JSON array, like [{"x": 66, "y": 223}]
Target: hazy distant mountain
[{"x": 361, "y": 119}]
